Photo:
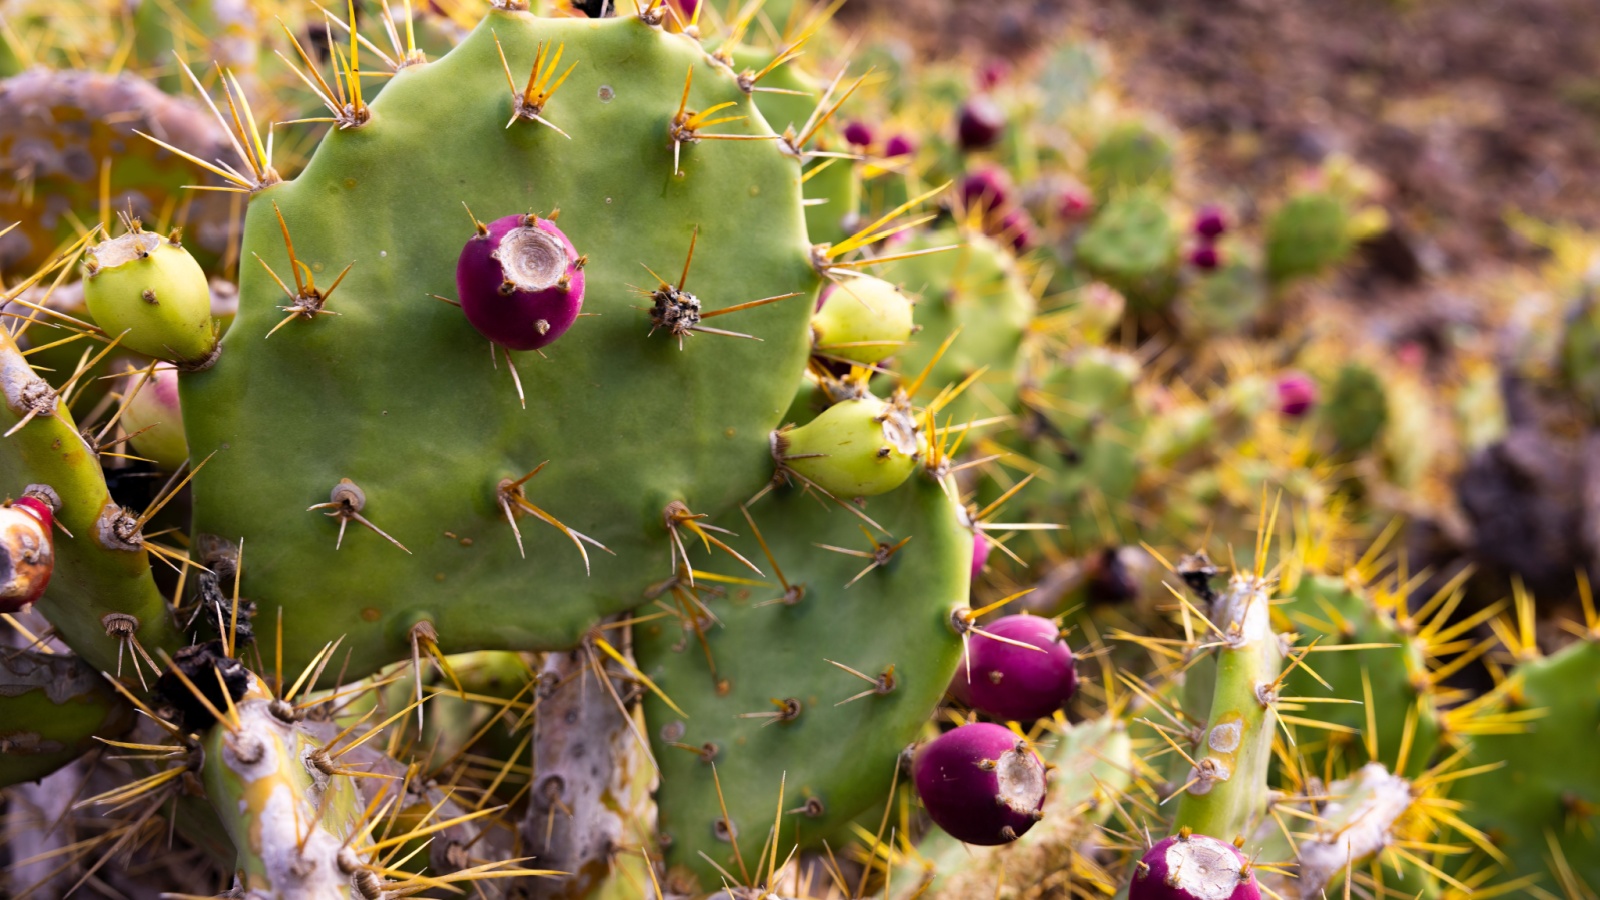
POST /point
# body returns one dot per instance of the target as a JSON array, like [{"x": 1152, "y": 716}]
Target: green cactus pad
[
  {"x": 1131, "y": 245},
  {"x": 51, "y": 708},
  {"x": 1549, "y": 787},
  {"x": 1131, "y": 156},
  {"x": 841, "y": 755},
  {"x": 1308, "y": 235},
  {"x": 400, "y": 395}
]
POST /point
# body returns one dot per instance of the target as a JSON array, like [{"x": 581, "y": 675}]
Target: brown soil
[{"x": 1469, "y": 108}]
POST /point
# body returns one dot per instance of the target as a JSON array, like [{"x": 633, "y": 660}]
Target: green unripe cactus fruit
[
  {"x": 862, "y": 319},
  {"x": 154, "y": 420},
  {"x": 856, "y": 448},
  {"x": 152, "y": 289}
]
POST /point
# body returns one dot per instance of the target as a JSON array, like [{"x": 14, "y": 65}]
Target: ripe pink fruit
[
  {"x": 1015, "y": 683},
  {"x": 1017, "y": 228},
  {"x": 1205, "y": 257},
  {"x": 899, "y": 145},
  {"x": 1210, "y": 222},
  {"x": 980, "y": 783},
  {"x": 1193, "y": 867},
  {"x": 980, "y": 123},
  {"x": 986, "y": 190},
  {"x": 520, "y": 282},
  {"x": 980, "y": 553},
  {"x": 1297, "y": 394},
  {"x": 858, "y": 134},
  {"x": 27, "y": 552}
]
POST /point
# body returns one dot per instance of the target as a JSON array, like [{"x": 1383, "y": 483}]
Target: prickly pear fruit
[
  {"x": 857, "y": 448},
  {"x": 899, "y": 145},
  {"x": 1297, "y": 393},
  {"x": 980, "y": 783},
  {"x": 520, "y": 281},
  {"x": 863, "y": 319},
  {"x": 980, "y": 123},
  {"x": 1015, "y": 683},
  {"x": 980, "y": 553},
  {"x": 858, "y": 134},
  {"x": 1210, "y": 223},
  {"x": 1193, "y": 867},
  {"x": 27, "y": 553},
  {"x": 1017, "y": 228},
  {"x": 150, "y": 287},
  {"x": 986, "y": 189},
  {"x": 154, "y": 419},
  {"x": 1205, "y": 257}
]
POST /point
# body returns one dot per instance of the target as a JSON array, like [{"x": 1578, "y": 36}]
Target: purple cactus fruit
[
  {"x": 858, "y": 134},
  {"x": 980, "y": 122},
  {"x": 520, "y": 282},
  {"x": 1017, "y": 228},
  {"x": 991, "y": 73},
  {"x": 1210, "y": 222},
  {"x": 986, "y": 189},
  {"x": 1075, "y": 202},
  {"x": 980, "y": 553},
  {"x": 980, "y": 783},
  {"x": 1016, "y": 683},
  {"x": 1193, "y": 867},
  {"x": 899, "y": 145},
  {"x": 1205, "y": 257},
  {"x": 1297, "y": 394}
]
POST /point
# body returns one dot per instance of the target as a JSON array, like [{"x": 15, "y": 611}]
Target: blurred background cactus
[{"x": 923, "y": 451}]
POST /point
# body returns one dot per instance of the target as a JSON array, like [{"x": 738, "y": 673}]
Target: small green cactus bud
[
  {"x": 862, "y": 320},
  {"x": 857, "y": 448},
  {"x": 150, "y": 287}
]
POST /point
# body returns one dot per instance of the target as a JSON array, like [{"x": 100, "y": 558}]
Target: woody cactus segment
[
  {"x": 796, "y": 680},
  {"x": 102, "y": 599},
  {"x": 1226, "y": 787},
  {"x": 627, "y": 421},
  {"x": 52, "y": 706},
  {"x": 291, "y": 820}
]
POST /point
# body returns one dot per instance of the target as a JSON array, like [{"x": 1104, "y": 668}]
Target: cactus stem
[
  {"x": 881, "y": 685},
  {"x": 792, "y": 593},
  {"x": 529, "y": 102},
  {"x": 513, "y": 502},
  {"x": 677, "y": 513},
  {"x": 345, "y": 503},
  {"x": 881, "y": 553},
  {"x": 306, "y": 300}
]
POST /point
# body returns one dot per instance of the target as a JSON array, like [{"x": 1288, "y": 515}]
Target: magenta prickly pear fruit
[
  {"x": 27, "y": 552},
  {"x": 980, "y": 553},
  {"x": 991, "y": 73},
  {"x": 980, "y": 122},
  {"x": 981, "y": 783},
  {"x": 148, "y": 289},
  {"x": 856, "y": 448},
  {"x": 1210, "y": 222},
  {"x": 1297, "y": 394},
  {"x": 1017, "y": 228},
  {"x": 1075, "y": 202},
  {"x": 899, "y": 145},
  {"x": 520, "y": 281},
  {"x": 986, "y": 190},
  {"x": 154, "y": 419},
  {"x": 858, "y": 134},
  {"x": 862, "y": 319},
  {"x": 1015, "y": 683},
  {"x": 1193, "y": 867},
  {"x": 1205, "y": 257}
]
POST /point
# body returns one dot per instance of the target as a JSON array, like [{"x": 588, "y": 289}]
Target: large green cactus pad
[
  {"x": 398, "y": 393},
  {"x": 843, "y": 756}
]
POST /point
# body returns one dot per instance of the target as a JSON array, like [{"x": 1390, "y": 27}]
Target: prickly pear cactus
[{"x": 422, "y": 414}]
